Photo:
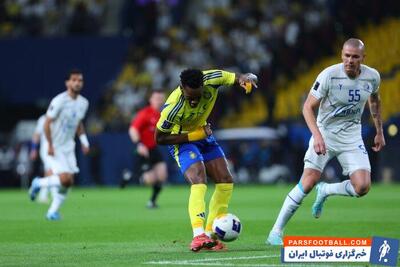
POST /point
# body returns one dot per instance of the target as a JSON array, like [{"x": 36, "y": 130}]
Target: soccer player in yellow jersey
[{"x": 183, "y": 126}]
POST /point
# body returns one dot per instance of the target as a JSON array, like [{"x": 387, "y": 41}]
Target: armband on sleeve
[
  {"x": 84, "y": 140},
  {"x": 34, "y": 146},
  {"x": 197, "y": 135}
]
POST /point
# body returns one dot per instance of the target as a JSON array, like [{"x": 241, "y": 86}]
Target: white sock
[
  {"x": 53, "y": 191},
  {"x": 208, "y": 233},
  {"x": 344, "y": 188},
  {"x": 43, "y": 193},
  {"x": 198, "y": 231},
  {"x": 48, "y": 181},
  {"x": 58, "y": 200},
  {"x": 289, "y": 207}
]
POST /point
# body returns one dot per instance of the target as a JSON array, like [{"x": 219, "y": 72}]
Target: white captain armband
[{"x": 84, "y": 140}]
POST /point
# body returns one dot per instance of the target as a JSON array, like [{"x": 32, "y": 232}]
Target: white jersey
[
  {"x": 40, "y": 131},
  {"x": 66, "y": 113},
  {"x": 343, "y": 100}
]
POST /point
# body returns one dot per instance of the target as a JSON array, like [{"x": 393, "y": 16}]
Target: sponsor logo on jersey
[{"x": 347, "y": 110}]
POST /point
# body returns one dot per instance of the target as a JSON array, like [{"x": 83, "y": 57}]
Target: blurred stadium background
[{"x": 126, "y": 48}]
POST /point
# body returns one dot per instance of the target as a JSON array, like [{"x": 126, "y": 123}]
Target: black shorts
[{"x": 155, "y": 157}]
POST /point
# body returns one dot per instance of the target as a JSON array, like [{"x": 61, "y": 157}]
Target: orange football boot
[
  {"x": 202, "y": 241},
  {"x": 218, "y": 247}
]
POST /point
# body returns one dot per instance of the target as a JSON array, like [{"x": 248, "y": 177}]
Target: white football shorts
[
  {"x": 351, "y": 157},
  {"x": 45, "y": 160},
  {"x": 63, "y": 162}
]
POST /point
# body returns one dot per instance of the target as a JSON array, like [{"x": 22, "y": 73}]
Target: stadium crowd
[
  {"x": 275, "y": 39},
  {"x": 51, "y": 17}
]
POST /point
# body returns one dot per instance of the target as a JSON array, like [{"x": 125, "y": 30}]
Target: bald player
[
  {"x": 340, "y": 93},
  {"x": 183, "y": 126}
]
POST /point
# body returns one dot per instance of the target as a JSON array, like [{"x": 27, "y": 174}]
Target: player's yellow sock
[
  {"x": 197, "y": 208},
  {"x": 219, "y": 203}
]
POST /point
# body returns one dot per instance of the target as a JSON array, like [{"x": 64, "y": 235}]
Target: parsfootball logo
[{"x": 346, "y": 111}]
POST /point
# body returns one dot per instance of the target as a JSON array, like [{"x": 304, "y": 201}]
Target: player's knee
[
  {"x": 67, "y": 183},
  {"x": 162, "y": 178},
  {"x": 362, "y": 189},
  {"x": 162, "y": 175},
  {"x": 149, "y": 178},
  {"x": 66, "y": 180},
  {"x": 197, "y": 178},
  {"x": 196, "y": 175}
]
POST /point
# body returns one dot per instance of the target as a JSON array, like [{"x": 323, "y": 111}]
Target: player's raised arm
[
  {"x": 374, "y": 102},
  {"x": 247, "y": 81},
  {"x": 310, "y": 105},
  {"x": 220, "y": 77}
]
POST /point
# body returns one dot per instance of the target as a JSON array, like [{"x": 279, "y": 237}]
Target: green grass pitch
[{"x": 112, "y": 227}]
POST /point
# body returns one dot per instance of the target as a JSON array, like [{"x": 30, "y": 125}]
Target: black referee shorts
[{"x": 155, "y": 157}]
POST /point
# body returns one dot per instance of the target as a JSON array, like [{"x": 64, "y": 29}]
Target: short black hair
[
  {"x": 192, "y": 78},
  {"x": 72, "y": 72}
]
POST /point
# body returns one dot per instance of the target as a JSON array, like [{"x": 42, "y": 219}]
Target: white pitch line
[
  {"x": 213, "y": 259},
  {"x": 216, "y": 262}
]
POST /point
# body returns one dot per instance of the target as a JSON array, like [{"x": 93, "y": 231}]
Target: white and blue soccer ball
[{"x": 227, "y": 227}]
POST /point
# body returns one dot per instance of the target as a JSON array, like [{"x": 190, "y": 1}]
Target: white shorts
[
  {"x": 63, "y": 162},
  {"x": 351, "y": 157},
  {"x": 45, "y": 160}
]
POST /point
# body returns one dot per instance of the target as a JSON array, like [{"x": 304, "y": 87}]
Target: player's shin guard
[
  {"x": 218, "y": 203},
  {"x": 197, "y": 208},
  {"x": 289, "y": 207},
  {"x": 344, "y": 188},
  {"x": 54, "y": 191},
  {"x": 58, "y": 200},
  {"x": 49, "y": 181}
]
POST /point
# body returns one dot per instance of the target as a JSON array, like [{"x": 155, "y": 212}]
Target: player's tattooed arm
[
  {"x": 375, "y": 109},
  {"x": 374, "y": 102}
]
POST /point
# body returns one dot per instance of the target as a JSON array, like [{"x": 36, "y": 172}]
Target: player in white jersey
[
  {"x": 63, "y": 119},
  {"x": 341, "y": 92},
  {"x": 39, "y": 142}
]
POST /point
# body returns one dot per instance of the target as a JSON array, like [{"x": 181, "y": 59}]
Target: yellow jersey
[{"x": 178, "y": 116}]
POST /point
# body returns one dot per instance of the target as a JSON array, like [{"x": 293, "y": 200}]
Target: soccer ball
[{"x": 227, "y": 227}]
